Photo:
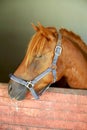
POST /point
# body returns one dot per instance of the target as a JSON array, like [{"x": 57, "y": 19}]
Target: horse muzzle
[{"x": 16, "y": 90}]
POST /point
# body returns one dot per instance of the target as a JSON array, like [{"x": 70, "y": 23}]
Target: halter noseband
[{"x": 30, "y": 84}]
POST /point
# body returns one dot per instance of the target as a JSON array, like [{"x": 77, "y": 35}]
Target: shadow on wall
[{"x": 12, "y": 51}]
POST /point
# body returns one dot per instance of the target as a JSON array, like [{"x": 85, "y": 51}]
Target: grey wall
[{"x": 16, "y": 17}]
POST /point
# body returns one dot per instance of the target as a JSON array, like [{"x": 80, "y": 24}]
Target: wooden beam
[{"x": 57, "y": 109}]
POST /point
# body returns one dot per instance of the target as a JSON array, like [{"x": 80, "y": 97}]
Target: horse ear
[
  {"x": 40, "y": 26},
  {"x": 45, "y": 32},
  {"x": 35, "y": 27},
  {"x": 42, "y": 30}
]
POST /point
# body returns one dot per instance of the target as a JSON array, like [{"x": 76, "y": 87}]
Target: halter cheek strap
[
  {"x": 58, "y": 51},
  {"x": 30, "y": 84}
]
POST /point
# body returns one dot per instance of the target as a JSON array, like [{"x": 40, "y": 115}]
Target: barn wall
[{"x": 57, "y": 109}]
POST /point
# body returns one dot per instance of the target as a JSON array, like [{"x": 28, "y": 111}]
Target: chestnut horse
[{"x": 50, "y": 56}]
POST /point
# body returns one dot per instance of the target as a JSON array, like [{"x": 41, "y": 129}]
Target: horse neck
[{"x": 75, "y": 39}]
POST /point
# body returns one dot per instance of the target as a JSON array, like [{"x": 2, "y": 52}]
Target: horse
[{"x": 51, "y": 56}]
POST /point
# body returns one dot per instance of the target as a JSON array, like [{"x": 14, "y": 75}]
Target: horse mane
[
  {"x": 75, "y": 38},
  {"x": 36, "y": 45}
]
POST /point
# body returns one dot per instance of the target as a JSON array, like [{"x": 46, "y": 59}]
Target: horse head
[
  {"x": 43, "y": 64},
  {"x": 38, "y": 58}
]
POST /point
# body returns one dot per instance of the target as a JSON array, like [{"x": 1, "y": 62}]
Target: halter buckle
[
  {"x": 58, "y": 50},
  {"x": 29, "y": 84}
]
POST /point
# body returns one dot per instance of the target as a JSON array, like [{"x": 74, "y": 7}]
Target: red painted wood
[{"x": 56, "y": 109}]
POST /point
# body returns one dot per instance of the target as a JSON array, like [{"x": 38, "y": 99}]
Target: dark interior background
[{"x": 16, "y": 17}]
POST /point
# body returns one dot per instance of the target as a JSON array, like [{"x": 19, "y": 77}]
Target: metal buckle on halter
[
  {"x": 58, "y": 50},
  {"x": 30, "y": 86}
]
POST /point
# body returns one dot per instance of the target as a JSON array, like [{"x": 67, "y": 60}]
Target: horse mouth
[{"x": 16, "y": 91}]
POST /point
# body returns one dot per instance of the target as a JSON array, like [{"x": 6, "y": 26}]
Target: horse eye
[{"x": 38, "y": 56}]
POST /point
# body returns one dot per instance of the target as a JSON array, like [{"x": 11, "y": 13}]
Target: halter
[{"x": 30, "y": 84}]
